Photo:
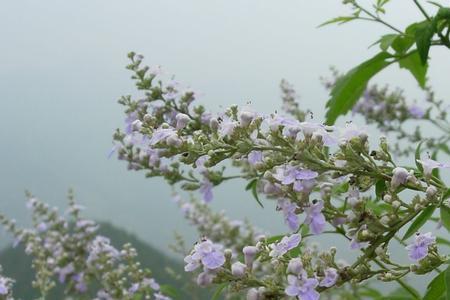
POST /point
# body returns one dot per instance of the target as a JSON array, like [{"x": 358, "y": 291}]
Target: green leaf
[
  {"x": 169, "y": 290},
  {"x": 253, "y": 185},
  {"x": 386, "y": 41},
  {"x": 435, "y": 172},
  {"x": 138, "y": 296},
  {"x": 423, "y": 36},
  {"x": 436, "y": 288},
  {"x": 338, "y": 20},
  {"x": 402, "y": 44},
  {"x": 442, "y": 241},
  {"x": 412, "y": 63},
  {"x": 419, "y": 221},
  {"x": 444, "y": 148},
  {"x": 445, "y": 217},
  {"x": 417, "y": 157},
  {"x": 447, "y": 283},
  {"x": 380, "y": 188},
  {"x": 446, "y": 194},
  {"x": 401, "y": 293},
  {"x": 218, "y": 291},
  {"x": 350, "y": 87},
  {"x": 274, "y": 239},
  {"x": 378, "y": 207}
]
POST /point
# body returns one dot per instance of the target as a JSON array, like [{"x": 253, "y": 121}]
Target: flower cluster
[
  {"x": 69, "y": 250},
  {"x": 232, "y": 234},
  {"x": 322, "y": 177},
  {"x": 6, "y": 285},
  {"x": 289, "y": 273},
  {"x": 390, "y": 112}
]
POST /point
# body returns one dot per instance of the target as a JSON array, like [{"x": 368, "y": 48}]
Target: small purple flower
[
  {"x": 206, "y": 190},
  {"x": 419, "y": 248},
  {"x": 161, "y": 134},
  {"x": 131, "y": 117},
  {"x": 227, "y": 126},
  {"x": 182, "y": 120},
  {"x": 302, "y": 288},
  {"x": 207, "y": 254},
  {"x": 255, "y": 157},
  {"x": 200, "y": 163},
  {"x": 416, "y": 111},
  {"x": 276, "y": 121},
  {"x": 4, "y": 289},
  {"x": 309, "y": 128},
  {"x": 314, "y": 218},
  {"x": 41, "y": 227},
  {"x": 151, "y": 283},
  {"x": 205, "y": 118},
  {"x": 290, "y": 217},
  {"x": 80, "y": 285},
  {"x": 134, "y": 288},
  {"x": 63, "y": 272},
  {"x": 352, "y": 131},
  {"x": 331, "y": 276},
  {"x": 31, "y": 203},
  {"x": 303, "y": 179},
  {"x": 429, "y": 165},
  {"x": 327, "y": 137},
  {"x": 287, "y": 243},
  {"x": 159, "y": 296},
  {"x": 354, "y": 243}
]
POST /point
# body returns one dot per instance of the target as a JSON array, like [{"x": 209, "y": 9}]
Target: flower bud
[
  {"x": 182, "y": 120},
  {"x": 214, "y": 124},
  {"x": 249, "y": 255},
  {"x": 228, "y": 254},
  {"x": 174, "y": 140},
  {"x": 295, "y": 266},
  {"x": 387, "y": 198},
  {"x": 399, "y": 177},
  {"x": 238, "y": 269},
  {"x": 253, "y": 294},
  {"x": 205, "y": 278},
  {"x": 136, "y": 125},
  {"x": 147, "y": 117},
  {"x": 245, "y": 118},
  {"x": 384, "y": 220},
  {"x": 431, "y": 191},
  {"x": 396, "y": 204}
]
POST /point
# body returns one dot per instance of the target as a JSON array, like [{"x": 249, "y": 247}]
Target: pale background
[{"x": 62, "y": 70}]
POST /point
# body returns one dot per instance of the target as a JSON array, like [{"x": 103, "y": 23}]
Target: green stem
[{"x": 422, "y": 10}]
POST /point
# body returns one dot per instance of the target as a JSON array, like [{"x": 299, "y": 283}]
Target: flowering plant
[{"x": 325, "y": 179}]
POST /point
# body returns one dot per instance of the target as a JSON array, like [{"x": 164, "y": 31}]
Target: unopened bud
[
  {"x": 431, "y": 192},
  {"x": 214, "y": 124},
  {"x": 174, "y": 140},
  {"x": 396, "y": 204},
  {"x": 249, "y": 255},
  {"x": 245, "y": 118},
  {"x": 238, "y": 269},
  {"x": 136, "y": 125},
  {"x": 182, "y": 120},
  {"x": 295, "y": 266},
  {"x": 205, "y": 278},
  {"x": 387, "y": 198}
]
